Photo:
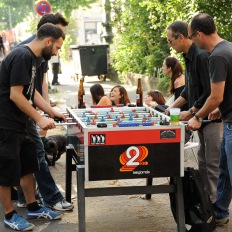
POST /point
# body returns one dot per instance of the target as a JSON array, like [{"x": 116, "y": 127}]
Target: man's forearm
[
  {"x": 43, "y": 105},
  {"x": 214, "y": 100},
  {"x": 210, "y": 105},
  {"x": 180, "y": 101},
  {"x": 45, "y": 89}
]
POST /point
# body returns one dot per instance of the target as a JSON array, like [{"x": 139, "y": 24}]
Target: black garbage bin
[{"x": 90, "y": 60}]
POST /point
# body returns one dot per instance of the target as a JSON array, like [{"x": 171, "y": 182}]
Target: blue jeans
[
  {"x": 224, "y": 189},
  {"x": 47, "y": 186}
]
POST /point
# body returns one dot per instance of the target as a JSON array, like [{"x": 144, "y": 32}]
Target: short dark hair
[
  {"x": 50, "y": 30},
  {"x": 204, "y": 23},
  {"x": 54, "y": 19},
  {"x": 179, "y": 27}
]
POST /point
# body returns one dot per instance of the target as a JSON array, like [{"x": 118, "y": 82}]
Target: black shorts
[{"x": 17, "y": 157}]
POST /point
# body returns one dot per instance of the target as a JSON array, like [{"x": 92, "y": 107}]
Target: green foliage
[
  {"x": 64, "y": 52},
  {"x": 163, "y": 85},
  {"x": 68, "y": 5},
  {"x": 14, "y": 11},
  {"x": 140, "y": 43},
  {"x": 136, "y": 49},
  {"x": 21, "y": 9},
  {"x": 221, "y": 11}
]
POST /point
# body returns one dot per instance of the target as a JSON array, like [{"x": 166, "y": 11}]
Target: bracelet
[
  {"x": 192, "y": 112},
  {"x": 198, "y": 118}
]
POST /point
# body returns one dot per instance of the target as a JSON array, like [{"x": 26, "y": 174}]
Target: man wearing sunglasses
[
  {"x": 195, "y": 93},
  {"x": 220, "y": 66}
]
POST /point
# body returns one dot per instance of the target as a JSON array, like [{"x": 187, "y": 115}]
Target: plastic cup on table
[{"x": 174, "y": 116}]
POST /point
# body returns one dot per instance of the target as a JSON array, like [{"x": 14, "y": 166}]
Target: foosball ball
[{"x": 123, "y": 143}]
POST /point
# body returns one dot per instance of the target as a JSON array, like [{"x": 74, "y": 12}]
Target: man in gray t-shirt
[{"x": 202, "y": 29}]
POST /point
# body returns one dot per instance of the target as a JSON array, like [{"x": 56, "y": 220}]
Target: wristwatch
[
  {"x": 192, "y": 112},
  {"x": 198, "y": 118}
]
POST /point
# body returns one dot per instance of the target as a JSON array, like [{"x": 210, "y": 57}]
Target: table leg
[
  {"x": 148, "y": 183},
  {"x": 68, "y": 174},
  {"x": 180, "y": 216},
  {"x": 80, "y": 170}
]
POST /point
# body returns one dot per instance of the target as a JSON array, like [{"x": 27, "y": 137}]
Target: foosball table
[{"x": 124, "y": 143}]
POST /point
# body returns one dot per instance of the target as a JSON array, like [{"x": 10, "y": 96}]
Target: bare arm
[
  {"x": 46, "y": 107},
  {"x": 214, "y": 99},
  {"x": 104, "y": 101},
  {"x": 176, "y": 104},
  {"x": 45, "y": 89},
  {"x": 212, "y": 102},
  {"x": 16, "y": 95}
]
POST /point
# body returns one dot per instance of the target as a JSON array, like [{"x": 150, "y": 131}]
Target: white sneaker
[
  {"x": 62, "y": 205},
  {"x": 24, "y": 204},
  {"x": 21, "y": 205},
  {"x": 222, "y": 221}
]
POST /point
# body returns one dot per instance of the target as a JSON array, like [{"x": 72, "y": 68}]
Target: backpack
[{"x": 199, "y": 216}]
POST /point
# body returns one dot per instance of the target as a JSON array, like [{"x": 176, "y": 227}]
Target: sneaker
[
  {"x": 56, "y": 83},
  {"x": 62, "y": 205},
  {"x": 18, "y": 223},
  {"x": 44, "y": 212},
  {"x": 222, "y": 221},
  {"x": 21, "y": 205},
  {"x": 24, "y": 204}
]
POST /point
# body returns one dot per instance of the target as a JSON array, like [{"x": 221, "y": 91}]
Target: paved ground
[{"x": 108, "y": 214}]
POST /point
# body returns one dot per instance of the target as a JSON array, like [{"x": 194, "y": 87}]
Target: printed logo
[
  {"x": 98, "y": 139},
  {"x": 167, "y": 134},
  {"x": 133, "y": 157}
]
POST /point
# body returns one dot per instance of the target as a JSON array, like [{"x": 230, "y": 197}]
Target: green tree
[
  {"x": 221, "y": 11},
  {"x": 140, "y": 41},
  {"x": 15, "y": 11},
  {"x": 135, "y": 44},
  {"x": 68, "y": 5}
]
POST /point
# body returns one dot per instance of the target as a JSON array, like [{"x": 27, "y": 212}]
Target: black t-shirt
[
  {"x": 42, "y": 69},
  {"x": 17, "y": 69},
  {"x": 220, "y": 66}
]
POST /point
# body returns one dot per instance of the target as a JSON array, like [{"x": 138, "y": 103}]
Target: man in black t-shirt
[
  {"x": 18, "y": 159},
  {"x": 51, "y": 195}
]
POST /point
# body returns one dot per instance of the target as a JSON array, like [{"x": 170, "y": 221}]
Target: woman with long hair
[
  {"x": 98, "y": 96},
  {"x": 173, "y": 69},
  {"x": 119, "y": 95}
]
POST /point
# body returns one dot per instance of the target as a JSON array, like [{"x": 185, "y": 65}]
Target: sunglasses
[
  {"x": 193, "y": 34},
  {"x": 170, "y": 40}
]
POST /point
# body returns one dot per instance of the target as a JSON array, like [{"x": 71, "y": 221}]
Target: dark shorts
[{"x": 17, "y": 157}]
